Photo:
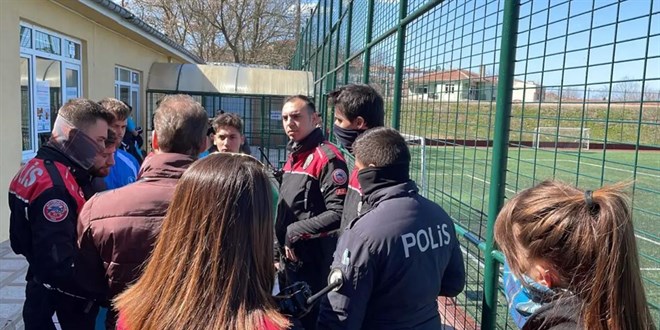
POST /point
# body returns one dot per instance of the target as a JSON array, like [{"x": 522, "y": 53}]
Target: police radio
[
  {"x": 277, "y": 173},
  {"x": 297, "y": 299}
]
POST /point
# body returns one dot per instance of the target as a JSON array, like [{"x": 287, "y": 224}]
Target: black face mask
[{"x": 346, "y": 136}]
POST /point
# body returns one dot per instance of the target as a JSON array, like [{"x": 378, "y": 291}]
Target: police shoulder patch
[
  {"x": 339, "y": 176},
  {"x": 55, "y": 210}
]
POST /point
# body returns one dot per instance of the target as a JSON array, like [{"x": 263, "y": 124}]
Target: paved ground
[
  {"x": 12, "y": 295},
  {"x": 12, "y": 287}
]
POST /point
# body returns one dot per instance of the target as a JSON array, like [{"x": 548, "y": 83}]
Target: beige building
[{"x": 54, "y": 50}]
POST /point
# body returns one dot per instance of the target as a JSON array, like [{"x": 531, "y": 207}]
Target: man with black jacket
[
  {"x": 358, "y": 107},
  {"x": 45, "y": 198},
  {"x": 312, "y": 194},
  {"x": 400, "y": 254}
]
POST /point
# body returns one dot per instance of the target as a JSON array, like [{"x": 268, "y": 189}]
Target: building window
[
  {"x": 27, "y": 131},
  {"x": 449, "y": 88},
  {"x": 50, "y": 67},
  {"x": 127, "y": 89}
]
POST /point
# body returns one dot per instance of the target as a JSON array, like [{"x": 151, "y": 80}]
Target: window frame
[
  {"x": 31, "y": 54},
  {"x": 132, "y": 87}
]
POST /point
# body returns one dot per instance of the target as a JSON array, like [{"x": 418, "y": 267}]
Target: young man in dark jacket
[
  {"x": 400, "y": 254},
  {"x": 45, "y": 198},
  {"x": 311, "y": 198},
  {"x": 357, "y": 108},
  {"x": 118, "y": 228}
]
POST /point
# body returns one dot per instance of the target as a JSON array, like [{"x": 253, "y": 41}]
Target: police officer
[
  {"x": 399, "y": 255},
  {"x": 45, "y": 198},
  {"x": 311, "y": 199}
]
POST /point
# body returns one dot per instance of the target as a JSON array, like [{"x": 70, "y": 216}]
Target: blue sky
[{"x": 466, "y": 34}]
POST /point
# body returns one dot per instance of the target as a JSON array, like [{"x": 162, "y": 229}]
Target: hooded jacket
[
  {"x": 118, "y": 228},
  {"x": 396, "y": 259}
]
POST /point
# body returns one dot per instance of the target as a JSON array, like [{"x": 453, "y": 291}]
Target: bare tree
[
  {"x": 651, "y": 94},
  {"x": 571, "y": 94},
  {"x": 627, "y": 90},
  {"x": 240, "y": 31}
]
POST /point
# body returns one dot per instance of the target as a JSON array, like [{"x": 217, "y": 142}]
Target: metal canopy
[{"x": 215, "y": 79}]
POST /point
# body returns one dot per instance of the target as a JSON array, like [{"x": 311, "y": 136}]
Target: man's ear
[
  {"x": 242, "y": 139},
  {"x": 360, "y": 123},
  {"x": 154, "y": 140}
]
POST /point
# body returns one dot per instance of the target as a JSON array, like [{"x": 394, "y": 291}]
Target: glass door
[{"x": 72, "y": 78}]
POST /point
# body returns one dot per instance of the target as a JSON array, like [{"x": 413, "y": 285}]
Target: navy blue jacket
[{"x": 397, "y": 258}]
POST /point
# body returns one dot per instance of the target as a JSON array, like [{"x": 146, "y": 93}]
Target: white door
[{"x": 72, "y": 88}]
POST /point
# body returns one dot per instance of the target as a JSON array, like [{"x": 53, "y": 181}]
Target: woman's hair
[
  {"x": 588, "y": 239},
  {"x": 212, "y": 266}
]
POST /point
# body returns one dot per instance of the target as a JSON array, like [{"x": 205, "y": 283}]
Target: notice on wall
[{"x": 42, "y": 103}]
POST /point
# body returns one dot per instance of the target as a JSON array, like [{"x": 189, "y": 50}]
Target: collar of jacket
[
  {"x": 308, "y": 143},
  {"x": 47, "y": 152},
  {"x": 165, "y": 165},
  {"x": 382, "y": 183}
]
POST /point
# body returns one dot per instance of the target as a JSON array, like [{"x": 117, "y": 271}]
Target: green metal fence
[
  {"x": 496, "y": 95},
  {"x": 260, "y": 127}
]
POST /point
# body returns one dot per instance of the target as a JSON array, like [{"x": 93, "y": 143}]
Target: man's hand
[{"x": 290, "y": 255}]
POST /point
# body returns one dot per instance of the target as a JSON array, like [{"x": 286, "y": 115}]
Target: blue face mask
[{"x": 524, "y": 297}]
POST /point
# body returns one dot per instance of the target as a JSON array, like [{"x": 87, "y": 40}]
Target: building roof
[
  {"x": 220, "y": 79},
  {"x": 451, "y": 75},
  {"x": 123, "y": 16}
]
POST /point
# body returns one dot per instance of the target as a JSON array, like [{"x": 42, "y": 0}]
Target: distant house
[{"x": 463, "y": 85}]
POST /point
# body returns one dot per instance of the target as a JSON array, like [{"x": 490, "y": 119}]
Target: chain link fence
[{"x": 497, "y": 95}]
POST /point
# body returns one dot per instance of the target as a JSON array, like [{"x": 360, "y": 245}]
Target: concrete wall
[
  {"x": 103, "y": 47},
  {"x": 524, "y": 90}
]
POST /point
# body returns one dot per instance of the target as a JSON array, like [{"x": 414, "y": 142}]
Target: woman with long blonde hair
[
  {"x": 578, "y": 248},
  {"x": 212, "y": 264}
]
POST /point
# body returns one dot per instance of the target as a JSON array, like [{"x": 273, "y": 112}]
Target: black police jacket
[
  {"x": 45, "y": 198},
  {"x": 396, "y": 259},
  {"x": 311, "y": 194},
  {"x": 352, "y": 203}
]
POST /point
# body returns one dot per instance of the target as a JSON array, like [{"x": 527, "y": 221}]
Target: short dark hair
[
  {"x": 382, "y": 147},
  {"x": 228, "y": 119},
  {"x": 180, "y": 124},
  {"x": 111, "y": 139},
  {"x": 359, "y": 100},
  {"x": 309, "y": 104},
  {"x": 82, "y": 113},
  {"x": 119, "y": 109}
]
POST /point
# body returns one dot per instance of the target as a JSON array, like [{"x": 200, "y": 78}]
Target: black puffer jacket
[{"x": 560, "y": 314}]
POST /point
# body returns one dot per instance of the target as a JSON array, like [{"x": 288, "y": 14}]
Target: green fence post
[
  {"x": 316, "y": 43},
  {"x": 398, "y": 66},
  {"x": 338, "y": 36},
  {"x": 367, "y": 40},
  {"x": 322, "y": 71},
  {"x": 349, "y": 29},
  {"x": 499, "y": 163}
]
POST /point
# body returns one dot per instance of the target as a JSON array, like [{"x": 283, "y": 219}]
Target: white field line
[
  {"x": 648, "y": 240},
  {"x": 590, "y": 164},
  {"x": 472, "y": 257},
  {"x": 650, "y": 269},
  {"x": 514, "y": 192},
  {"x": 487, "y": 182}
]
